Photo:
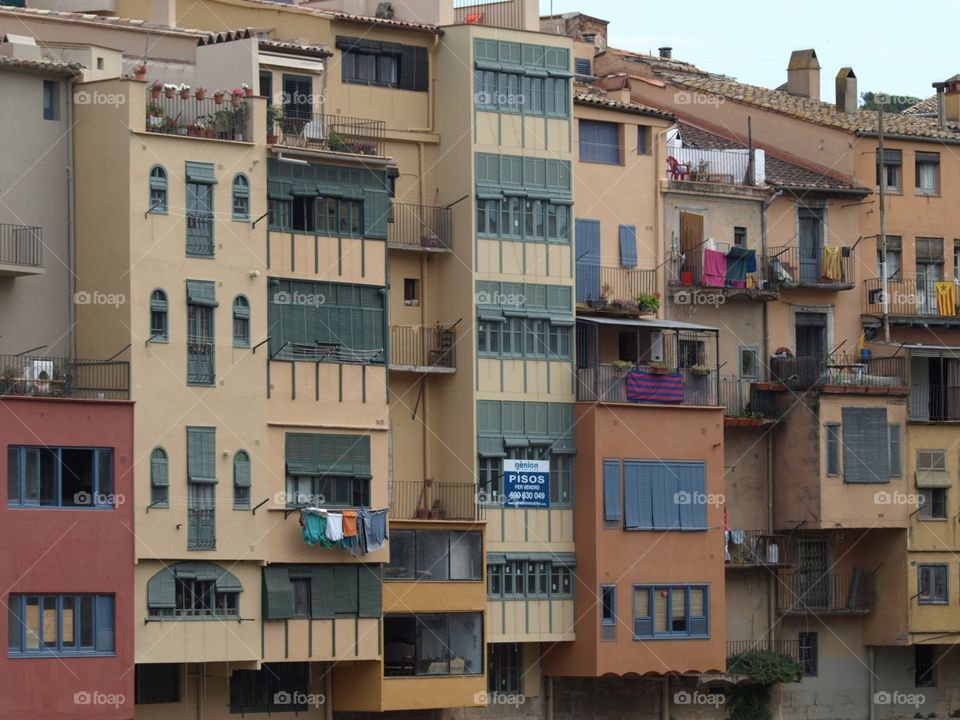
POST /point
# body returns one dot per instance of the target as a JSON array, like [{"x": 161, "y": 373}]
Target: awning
[
  {"x": 933, "y": 479},
  {"x": 651, "y": 324},
  {"x": 935, "y": 351},
  {"x": 564, "y": 559}
]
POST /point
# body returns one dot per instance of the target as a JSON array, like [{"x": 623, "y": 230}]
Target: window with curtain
[
  {"x": 60, "y": 625},
  {"x": 599, "y": 142},
  {"x": 241, "y": 197},
  {"x": 158, "y": 189},
  {"x": 677, "y": 611},
  {"x": 927, "y": 173},
  {"x": 241, "y": 322}
]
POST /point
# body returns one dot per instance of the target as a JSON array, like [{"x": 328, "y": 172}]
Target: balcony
[
  {"x": 422, "y": 228},
  {"x": 493, "y": 13},
  {"x": 746, "y": 403},
  {"x": 206, "y": 118},
  {"x": 910, "y": 300},
  {"x": 200, "y": 233},
  {"x": 841, "y": 373},
  {"x": 423, "y": 349},
  {"x": 754, "y": 548},
  {"x": 935, "y": 403},
  {"x": 790, "y": 648},
  {"x": 62, "y": 378},
  {"x": 807, "y": 592},
  {"x": 615, "y": 288},
  {"x": 431, "y": 500},
  {"x": 816, "y": 268},
  {"x": 728, "y": 270},
  {"x": 21, "y": 250},
  {"x": 331, "y": 133},
  {"x": 719, "y": 167},
  {"x": 620, "y": 383}
]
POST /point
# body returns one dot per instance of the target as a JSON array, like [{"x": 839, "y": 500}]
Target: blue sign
[{"x": 526, "y": 483}]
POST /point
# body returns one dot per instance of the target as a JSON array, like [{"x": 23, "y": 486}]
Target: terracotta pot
[
  {"x": 218, "y": 98},
  {"x": 423, "y": 513},
  {"x": 249, "y": 92},
  {"x": 154, "y": 93},
  {"x": 271, "y": 139},
  {"x": 139, "y": 75},
  {"x": 169, "y": 93},
  {"x": 184, "y": 94},
  {"x": 235, "y": 101},
  {"x": 201, "y": 94}
]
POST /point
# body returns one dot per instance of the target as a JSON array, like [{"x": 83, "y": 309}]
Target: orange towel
[{"x": 349, "y": 523}]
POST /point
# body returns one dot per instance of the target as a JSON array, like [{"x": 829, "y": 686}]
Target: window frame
[
  {"x": 240, "y": 196},
  {"x": 597, "y": 150},
  {"x": 241, "y": 321},
  {"x": 924, "y": 159},
  {"x": 157, "y": 697},
  {"x": 931, "y": 570},
  {"x": 242, "y": 493},
  {"x": 96, "y": 496},
  {"x": 686, "y": 634},
  {"x": 896, "y": 167},
  {"x": 19, "y": 616},
  {"x": 51, "y": 100},
  {"x": 414, "y": 574},
  {"x": 924, "y": 676},
  {"x": 929, "y": 505},
  {"x": 159, "y": 185},
  {"x": 809, "y": 653},
  {"x": 504, "y": 668},
  {"x": 159, "y": 494},
  {"x": 159, "y": 311}
]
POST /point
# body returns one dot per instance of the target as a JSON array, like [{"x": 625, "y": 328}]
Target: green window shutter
[
  {"x": 370, "y": 589},
  {"x": 197, "y": 172},
  {"x": 277, "y": 593},
  {"x": 535, "y": 419},
  {"x": 322, "y": 596},
  {"x": 226, "y": 581},
  {"x": 201, "y": 455},
  {"x": 512, "y": 417},
  {"x": 301, "y": 454},
  {"x": 896, "y": 464},
  {"x": 491, "y": 447},
  {"x": 488, "y": 416},
  {"x": 159, "y": 471},
  {"x": 360, "y": 454},
  {"x": 376, "y": 212},
  {"x": 162, "y": 590},
  {"x": 201, "y": 292},
  {"x": 241, "y": 470}
]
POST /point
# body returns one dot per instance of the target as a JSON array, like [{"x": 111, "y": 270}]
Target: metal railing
[
  {"x": 789, "y": 266},
  {"x": 907, "y": 298},
  {"x": 495, "y": 13},
  {"x": 21, "y": 245},
  {"x": 62, "y": 377},
  {"x": 623, "y": 284},
  {"x": 430, "y": 500},
  {"x": 790, "y": 648},
  {"x": 334, "y": 133},
  {"x": 201, "y": 529},
  {"x": 806, "y": 372},
  {"x": 804, "y": 592},
  {"x": 420, "y": 227},
  {"x": 742, "y": 398},
  {"x": 200, "y": 233},
  {"x": 754, "y": 548},
  {"x": 608, "y": 383},
  {"x": 693, "y": 274},
  {"x": 935, "y": 403},
  {"x": 228, "y": 120},
  {"x": 432, "y": 346},
  {"x": 726, "y": 167}
]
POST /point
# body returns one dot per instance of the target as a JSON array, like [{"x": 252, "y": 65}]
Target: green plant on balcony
[
  {"x": 659, "y": 368},
  {"x": 9, "y": 379},
  {"x": 648, "y": 302},
  {"x": 699, "y": 370},
  {"x": 623, "y": 366},
  {"x": 227, "y": 124},
  {"x": 337, "y": 142}
]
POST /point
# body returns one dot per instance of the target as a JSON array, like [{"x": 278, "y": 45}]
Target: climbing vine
[{"x": 750, "y": 700}]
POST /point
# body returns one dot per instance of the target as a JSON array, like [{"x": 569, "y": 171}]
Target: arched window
[
  {"x": 241, "y": 321},
  {"x": 241, "y": 480},
  {"x": 159, "y": 330},
  {"x": 159, "y": 478},
  {"x": 199, "y": 590},
  {"x": 158, "y": 189},
  {"x": 241, "y": 197}
]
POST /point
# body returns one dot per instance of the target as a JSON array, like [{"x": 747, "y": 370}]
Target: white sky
[{"x": 893, "y": 46}]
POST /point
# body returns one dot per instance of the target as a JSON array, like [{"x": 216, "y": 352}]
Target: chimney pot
[
  {"x": 803, "y": 74},
  {"x": 666, "y": 52},
  {"x": 846, "y": 86}
]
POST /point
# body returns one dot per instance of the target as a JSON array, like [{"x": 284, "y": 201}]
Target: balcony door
[
  {"x": 691, "y": 244},
  {"x": 928, "y": 273},
  {"x": 811, "y": 243},
  {"x": 811, "y": 344},
  {"x": 813, "y": 581}
]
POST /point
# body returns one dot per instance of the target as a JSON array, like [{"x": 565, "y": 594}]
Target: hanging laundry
[
  {"x": 714, "y": 268},
  {"x": 334, "y": 527},
  {"x": 738, "y": 262},
  {"x": 832, "y": 265},
  {"x": 375, "y": 529},
  {"x": 349, "y": 523},
  {"x": 946, "y": 298},
  {"x": 314, "y": 528}
]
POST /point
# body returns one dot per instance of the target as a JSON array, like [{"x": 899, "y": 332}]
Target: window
[
  {"x": 332, "y": 470},
  {"x": 740, "y": 236},
  {"x": 932, "y": 584},
  {"x": 435, "y": 555},
  {"x": 488, "y": 337},
  {"x": 504, "y": 668},
  {"x": 241, "y": 322},
  {"x": 301, "y": 596},
  {"x": 583, "y": 67},
  {"x": 156, "y": 683},
  {"x": 305, "y": 591},
  {"x": 927, "y": 173},
  {"x": 200, "y": 182},
  {"x": 561, "y": 480},
  {"x": 201, "y": 350},
  {"x": 608, "y": 604},
  {"x": 869, "y": 445},
  {"x": 201, "y": 488},
  {"x": 52, "y": 477},
  {"x": 46, "y": 625},
  {"x": 832, "y": 440},
  {"x": 197, "y": 598},
  {"x": 241, "y": 480},
  {"x": 158, "y": 189},
  {"x": 159, "y": 478},
  {"x": 892, "y": 170},
  {"x": 749, "y": 363},
  {"x": 670, "y": 611},
  {"x": 664, "y": 495},
  {"x": 280, "y": 211},
  {"x": 894, "y": 263},
  {"x": 530, "y": 576},
  {"x": 335, "y": 217},
  {"x": 274, "y": 688},
  {"x": 809, "y": 653},
  {"x": 51, "y": 100},
  {"x": 690, "y": 353},
  {"x": 628, "y": 245},
  {"x": 433, "y": 644},
  {"x": 159, "y": 331},
  {"x": 933, "y": 504},
  {"x": 643, "y": 140},
  {"x": 599, "y": 142},
  {"x": 924, "y": 665},
  {"x": 411, "y": 291},
  {"x": 297, "y": 101},
  {"x": 241, "y": 197},
  {"x": 388, "y": 64},
  {"x": 612, "y": 503}
]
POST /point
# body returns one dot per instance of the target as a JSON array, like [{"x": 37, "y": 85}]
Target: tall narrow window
[
  {"x": 51, "y": 100},
  {"x": 201, "y": 488},
  {"x": 809, "y": 653},
  {"x": 832, "y": 431},
  {"x": 241, "y": 197},
  {"x": 241, "y": 322},
  {"x": 927, "y": 173},
  {"x": 200, "y": 182},
  {"x": 608, "y": 606},
  {"x": 201, "y": 357},
  {"x": 924, "y": 664},
  {"x": 159, "y": 478},
  {"x": 159, "y": 331},
  {"x": 241, "y": 481},
  {"x": 158, "y": 189}
]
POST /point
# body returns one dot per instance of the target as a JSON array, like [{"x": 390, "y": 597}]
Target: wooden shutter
[
  {"x": 370, "y": 590},
  {"x": 691, "y": 484},
  {"x": 266, "y": 85},
  {"x": 241, "y": 470},
  {"x": 637, "y": 497},
  {"x": 322, "y": 581},
  {"x": 588, "y": 259},
  {"x": 628, "y": 246},
  {"x": 201, "y": 455},
  {"x": 298, "y": 91},
  {"x": 612, "y": 502},
  {"x": 896, "y": 461},
  {"x": 866, "y": 455},
  {"x": 277, "y": 593},
  {"x": 159, "y": 474},
  {"x": 301, "y": 457},
  {"x": 376, "y": 210}
]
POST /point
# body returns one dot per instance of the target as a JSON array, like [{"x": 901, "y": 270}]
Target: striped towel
[{"x": 654, "y": 388}]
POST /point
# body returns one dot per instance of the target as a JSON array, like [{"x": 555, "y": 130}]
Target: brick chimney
[
  {"x": 951, "y": 100},
  {"x": 847, "y": 90},
  {"x": 803, "y": 74}
]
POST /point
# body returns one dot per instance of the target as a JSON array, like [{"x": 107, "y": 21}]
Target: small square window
[
  {"x": 51, "y": 100},
  {"x": 99, "y": 63},
  {"x": 749, "y": 363},
  {"x": 933, "y": 504},
  {"x": 740, "y": 236},
  {"x": 411, "y": 291}
]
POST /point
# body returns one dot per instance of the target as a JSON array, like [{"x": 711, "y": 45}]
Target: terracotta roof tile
[
  {"x": 52, "y": 66},
  {"x": 598, "y": 100},
  {"x": 353, "y": 17},
  {"x": 924, "y": 107},
  {"x": 87, "y": 18}
]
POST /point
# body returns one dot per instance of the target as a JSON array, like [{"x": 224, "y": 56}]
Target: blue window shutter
[
  {"x": 104, "y": 641},
  {"x": 637, "y": 497},
  {"x": 611, "y": 491},
  {"x": 582, "y": 66},
  {"x": 588, "y": 259},
  {"x": 628, "y": 245},
  {"x": 201, "y": 455},
  {"x": 692, "y": 487},
  {"x": 161, "y": 590},
  {"x": 665, "y": 486}
]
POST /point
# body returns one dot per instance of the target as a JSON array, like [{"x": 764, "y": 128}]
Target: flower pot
[
  {"x": 235, "y": 101},
  {"x": 201, "y": 94},
  {"x": 271, "y": 139},
  {"x": 598, "y": 304},
  {"x": 169, "y": 93},
  {"x": 184, "y": 94},
  {"x": 423, "y": 513},
  {"x": 248, "y": 92},
  {"x": 154, "y": 93},
  {"x": 218, "y": 98},
  {"x": 435, "y": 514},
  {"x": 139, "y": 75}
]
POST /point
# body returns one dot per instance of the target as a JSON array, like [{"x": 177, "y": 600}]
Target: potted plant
[
  {"x": 155, "y": 90},
  {"x": 660, "y": 368},
  {"x": 336, "y": 142},
  {"x": 274, "y": 123},
  {"x": 155, "y": 115},
  {"x": 648, "y": 302},
  {"x": 235, "y": 96},
  {"x": 169, "y": 91},
  {"x": 247, "y": 90},
  {"x": 139, "y": 71},
  {"x": 9, "y": 378},
  {"x": 623, "y": 366},
  {"x": 200, "y": 93},
  {"x": 700, "y": 169},
  {"x": 601, "y": 302},
  {"x": 699, "y": 370},
  {"x": 184, "y": 91},
  {"x": 218, "y": 96}
]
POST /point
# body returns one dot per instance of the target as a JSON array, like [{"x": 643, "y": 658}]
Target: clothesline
[{"x": 359, "y": 531}]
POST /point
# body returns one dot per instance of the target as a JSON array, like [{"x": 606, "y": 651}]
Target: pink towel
[{"x": 714, "y": 268}]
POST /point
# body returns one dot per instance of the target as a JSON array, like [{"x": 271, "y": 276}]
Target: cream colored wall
[
  {"x": 530, "y": 621},
  {"x": 934, "y": 535},
  {"x": 530, "y": 529},
  {"x": 748, "y": 604},
  {"x": 333, "y": 640}
]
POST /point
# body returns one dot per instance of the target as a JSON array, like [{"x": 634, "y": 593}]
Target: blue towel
[{"x": 375, "y": 529}]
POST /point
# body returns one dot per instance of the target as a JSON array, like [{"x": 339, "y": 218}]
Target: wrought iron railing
[
  {"x": 608, "y": 383},
  {"x": 200, "y": 233},
  {"x": 726, "y": 167},
  {"x": 420, "y": 227},
  {"x": 805, "y": 372},
  {"x": 201, "y": 528},
  {"x": 21, "y": 245},
  {"x": 742, "y": 398},
  {"x": 418, "y": 346},
  {"x": 334, "y": 133},
  {"x": 431, "y": 500},
  {"x": 616, "y": 284},
  {"x": 694, "y": 272},
  {"x": 935, "y": 403},
  {"x": 804, "y": 592},
  {"x": 63, "y": 377},
  {"x": 829, "y": 268},
  {"x": 790, "y": 648},
  {"x": 201, "y": 360},
  {"x": 909, "y": 298},
  {"x": 754, "y": 547},
  {"x": 206, "y": 118},
  {"x": 495, "y": 13}
]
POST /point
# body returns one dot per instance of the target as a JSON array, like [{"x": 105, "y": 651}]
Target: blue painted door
[{"x": 588, "y": 260}]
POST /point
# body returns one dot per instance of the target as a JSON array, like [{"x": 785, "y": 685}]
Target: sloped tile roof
[
  {"x": 51, "y": 66},
  {"x": 87, "y": 18},
  {"x": 353, "y": 17},
  {"x": 924, "y": 107},
  {"x": 598, "y": 100}
]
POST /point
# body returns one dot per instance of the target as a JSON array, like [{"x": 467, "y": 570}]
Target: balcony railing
[
  {"x": 609, "y": 383},
  {"x": 694, "y": 272},
  {"x": 613, "y": 284},
  {"x": 816, "y": 267},
  {"x": 790, "y": 648},
  {"x": 935, "y": 403},
  {"x": 420, "y": 227},
  {"x": 495, "y": 13},
  {"x": 910, "y": 298},
  {"x": 753, "y": 548},
  {"x": 807, "y": 372},
  {"x": 742, "y": 398},
  {"x": 200, "y": 233},
  {"x": 199, "y": 118},
  {"x": 332, "y": 133},
  {"x": 430, "y": 500},
  {"x": 805, "y": 592},
  {"x": 423, "y": 348},
  {"x": 21, "y": 245},
  {"x": 725, "y": 167},
  {"x": 61, "y": 377},
  {"x": 201, "y": 529}
]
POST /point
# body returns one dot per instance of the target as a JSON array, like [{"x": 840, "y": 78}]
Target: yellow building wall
[{"x": 312, "y": 639}]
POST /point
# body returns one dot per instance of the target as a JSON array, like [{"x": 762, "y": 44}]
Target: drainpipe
[
  {"x": 665, "y": 699},
  {"x": 871, "y": 711},
  {"x": 71, "y": 226},
  {"x": 549, "y": 697},
  {"x": 328, "y": 695}
]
